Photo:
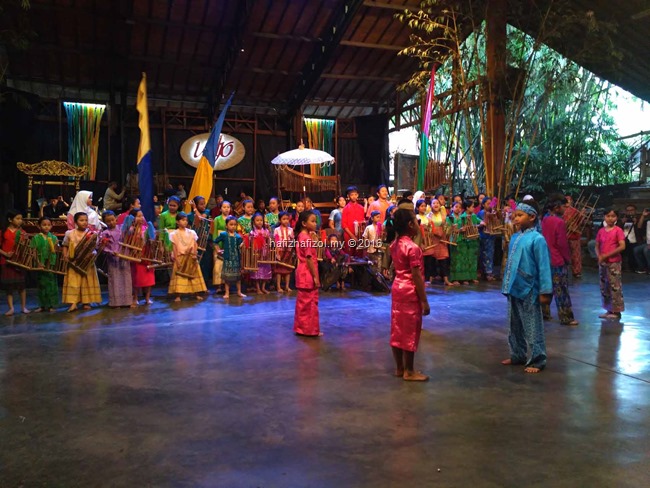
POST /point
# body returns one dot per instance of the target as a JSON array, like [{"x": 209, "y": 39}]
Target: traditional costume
[
  {"x": 231, "y": 245},
  {"x": 184, "y": 241},
  {"x": 609, "y": 271},
  {"x": 554, "y": 231},
  {"x": 80, "y": 204},
  {"x": 259, "y": 239},
  {"x": 120, "y": 288},
  {"x": 76, "y": 287},
  {"x": 406, "y": 309},
  {"x": 12, "y": 278},
  {"x": 284, "y": 247},
  {"x": 464, "y": 255},
  {"x": 48, "y": 288},
  {"x": 527, "y": 275},
  {"x": 306, "y": 319},
  {"x": 218, "y": 226}
]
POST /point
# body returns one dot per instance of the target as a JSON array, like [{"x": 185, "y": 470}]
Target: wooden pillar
[{"x": 495, "y": 142}]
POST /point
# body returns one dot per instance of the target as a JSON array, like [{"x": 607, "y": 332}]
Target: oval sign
[{"x": 230, "y": 151}]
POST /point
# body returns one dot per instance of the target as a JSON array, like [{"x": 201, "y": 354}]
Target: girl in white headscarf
[{"x": 83, "y": 203}]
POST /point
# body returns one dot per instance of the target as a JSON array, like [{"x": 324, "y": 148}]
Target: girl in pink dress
[
  {"x": 260, "y": 240},
  {"x": 306, "y": 320},
  {"x": 409, "y": 299}
]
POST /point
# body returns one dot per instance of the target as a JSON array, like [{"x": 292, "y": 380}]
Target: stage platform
[{"x": 224, "y": 395}]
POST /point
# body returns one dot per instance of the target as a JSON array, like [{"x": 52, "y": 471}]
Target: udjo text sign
[{"x": 230, "y": 151}]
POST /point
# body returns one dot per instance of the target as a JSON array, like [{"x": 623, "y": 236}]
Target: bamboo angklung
[
  {"x": 429, "y": 239},
  {"x": 58, "y": 265},
  {"x": 157, "y": 251},
  {"x": 268, "y": 254},
  {"x": 451, "y": 234},
  {"x": 493, "y": 224},
  {"x": 583, "y": 210},
  {"x": 470, "y": 231},
  {"x": 248, "y": 255},
  {"x": 188, "y": 266},
  {"x": 24, "y": 255},
  {"x": 85, "y": 253},
  {"x": 132, "y": 244}
]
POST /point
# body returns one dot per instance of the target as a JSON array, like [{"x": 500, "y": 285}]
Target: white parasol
[{"x": 302, "y": 156}]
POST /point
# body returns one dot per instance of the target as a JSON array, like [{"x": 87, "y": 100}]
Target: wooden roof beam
[
  {"x": 390, "y": 6},
  {"x": 369, "y": 45},
  {"x": 386, "y": 79},
  {"x": 322, "y": 53},
  {"x": 285, "y": 37}
]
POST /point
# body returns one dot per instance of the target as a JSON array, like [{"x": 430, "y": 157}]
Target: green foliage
[{"x": 560, "y": 131}]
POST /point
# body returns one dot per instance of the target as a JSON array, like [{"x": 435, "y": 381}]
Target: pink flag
[{"x": 426, "y": 118}]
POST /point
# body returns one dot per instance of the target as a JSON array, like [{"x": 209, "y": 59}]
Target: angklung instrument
[
  {"x": 24, "y": 256},
  {"x": 452, "y": 232},
  {"x": 493, "y": 224},
  {"x": 470, "y": 230},
  {"x": 132, "y": 243},
  {"x": 85, "y": 252},
  {"x": 188, "y": 266},
  {"x": 429, "y": 239},
  {"x": 248, "y": 255},
  {"x": 158, "y": 252},
  {"x": 578, "y": 216}
]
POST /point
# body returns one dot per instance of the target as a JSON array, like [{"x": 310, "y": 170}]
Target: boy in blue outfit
[{"x": 528, "y": 285}]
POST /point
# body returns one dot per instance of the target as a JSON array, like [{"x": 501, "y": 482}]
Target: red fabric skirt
[{"x": 306, "y": 320}]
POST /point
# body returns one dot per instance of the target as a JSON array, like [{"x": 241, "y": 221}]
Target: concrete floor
[{"x": 226, "y": 396}]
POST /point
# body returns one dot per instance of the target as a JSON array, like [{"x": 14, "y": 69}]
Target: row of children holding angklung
[{"x": 127, "y": 278}]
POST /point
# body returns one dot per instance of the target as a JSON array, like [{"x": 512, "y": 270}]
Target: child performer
[
  {"x": 570, "y": 212},
  {"x": 199, "y": 216},
  {"x": 527, "y": 284},
  {"x": 464, "y": 255},
  {"x": 352, "y": 214},
  {"x": 298, "y": 209},
  {"x": 167, "y": 219},
  {"x": 284, "y": 245},
  {"x": 306, "y": 318},
  {"x": 76, "y": 287},
  {"x": 372, "y": 236},
  {"x": 12, "y": 277},
  {"x": 273, "y": 216},
  {"x": 142, "y": 278},
  {"x": 120, "y": 287},
  {"x": 184, "y": 244},
  {"x": 231, "y": 243},
  {"x": 437, "y": 220},
  {"x": 45, "y": 244},
  {"x": 337, "y": 214},
  {"x": 335, "y": 265},
  {"x": 219, "y": 226},
  {"x": 246, "y": 220},
  {"x": 610, "y": 243},
  {"x": 259, "y": 239},
  {"x": 408, "y": 297},
  {"x": 425, "y": 225},
  {"x": 554, "y": 231},
  {"x": 487, "y": 240}
]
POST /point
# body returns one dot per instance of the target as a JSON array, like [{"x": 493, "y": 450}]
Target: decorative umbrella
[{"x": 302, "y": 157}]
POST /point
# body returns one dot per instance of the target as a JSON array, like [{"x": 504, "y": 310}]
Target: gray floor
[{"x": 225, "y": 395}]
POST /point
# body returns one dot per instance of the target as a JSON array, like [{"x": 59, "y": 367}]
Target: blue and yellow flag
[
  {"x": 145, "y": 170},
  {"x": 202, "y": 183}
]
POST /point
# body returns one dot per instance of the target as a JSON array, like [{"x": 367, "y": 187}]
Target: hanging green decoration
[{"x": 84, "y": 123}]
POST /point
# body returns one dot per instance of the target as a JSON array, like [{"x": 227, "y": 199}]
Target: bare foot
[
  {"x": 265, "y": 291},
  {"x": 532, "y": 370},
  {"x": 150, "y": 302},
  {"x": 38, "y": 310},
  {"x": 399, "y": 373},
  {"x": 72, "y": 308},
  {"x": 51, "y": 309},
  {"x": 465, "y": 283},
  {"x": 241, "y": 295},
  {"x": 475, "y": 282},
  {"x": 177, "y": 299},
  {"x": 199, "y": 298},
  {"x": 226, "y": 296},
  {"x": 280, "y": 290},
  {"x": 415, "y": 376},
  {"x": 288, "y": 290},
  {"x": 9, "y": 312},
  {"x": 87, "y": 307},
  {"x": 133, "y": 305},
  {"x": 510, "y": 362}
]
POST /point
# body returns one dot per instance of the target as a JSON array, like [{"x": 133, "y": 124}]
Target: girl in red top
[
  {"x": 12, "y": 278},
  {"x": 610, "y": 243}
]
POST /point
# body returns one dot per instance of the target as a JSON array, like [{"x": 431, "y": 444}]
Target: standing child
[
  {"x": 12, "y": 277},
  {"x": 527, "y": 284},
  {"x": 120, "y": 287},
  {"x": 487, "y": 241},
  {"x": 306, "y": 320},
  {"x": 372, "y": 239},
  {"x": 245, "y": 221},
  {"x": 45, "y": 244},
  {"x": 408, "y": 297},
  {"x": 142, "y": 277},
  {"x": 554, "y": 231},
  {"x": 199, "y": 219},
  {"x": 284, "y": 246},
  {"x": 610, "y": 243},
  {"x": 352, "y": 216},
  {"x": 185, "y": 248},
  {"x": 167, "y": 219},
  {"x": 231, "y": 242},
  {"x": 77, "y": 287},
  {"x": 336, "y": 265},
  {"x": 260, "y": 240},
  {"x": 464, "y": 255},
  {"x": 299, "y": 208},
  {"x": 273, "y": 216},
  {"x": 219, "y": 226}
]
